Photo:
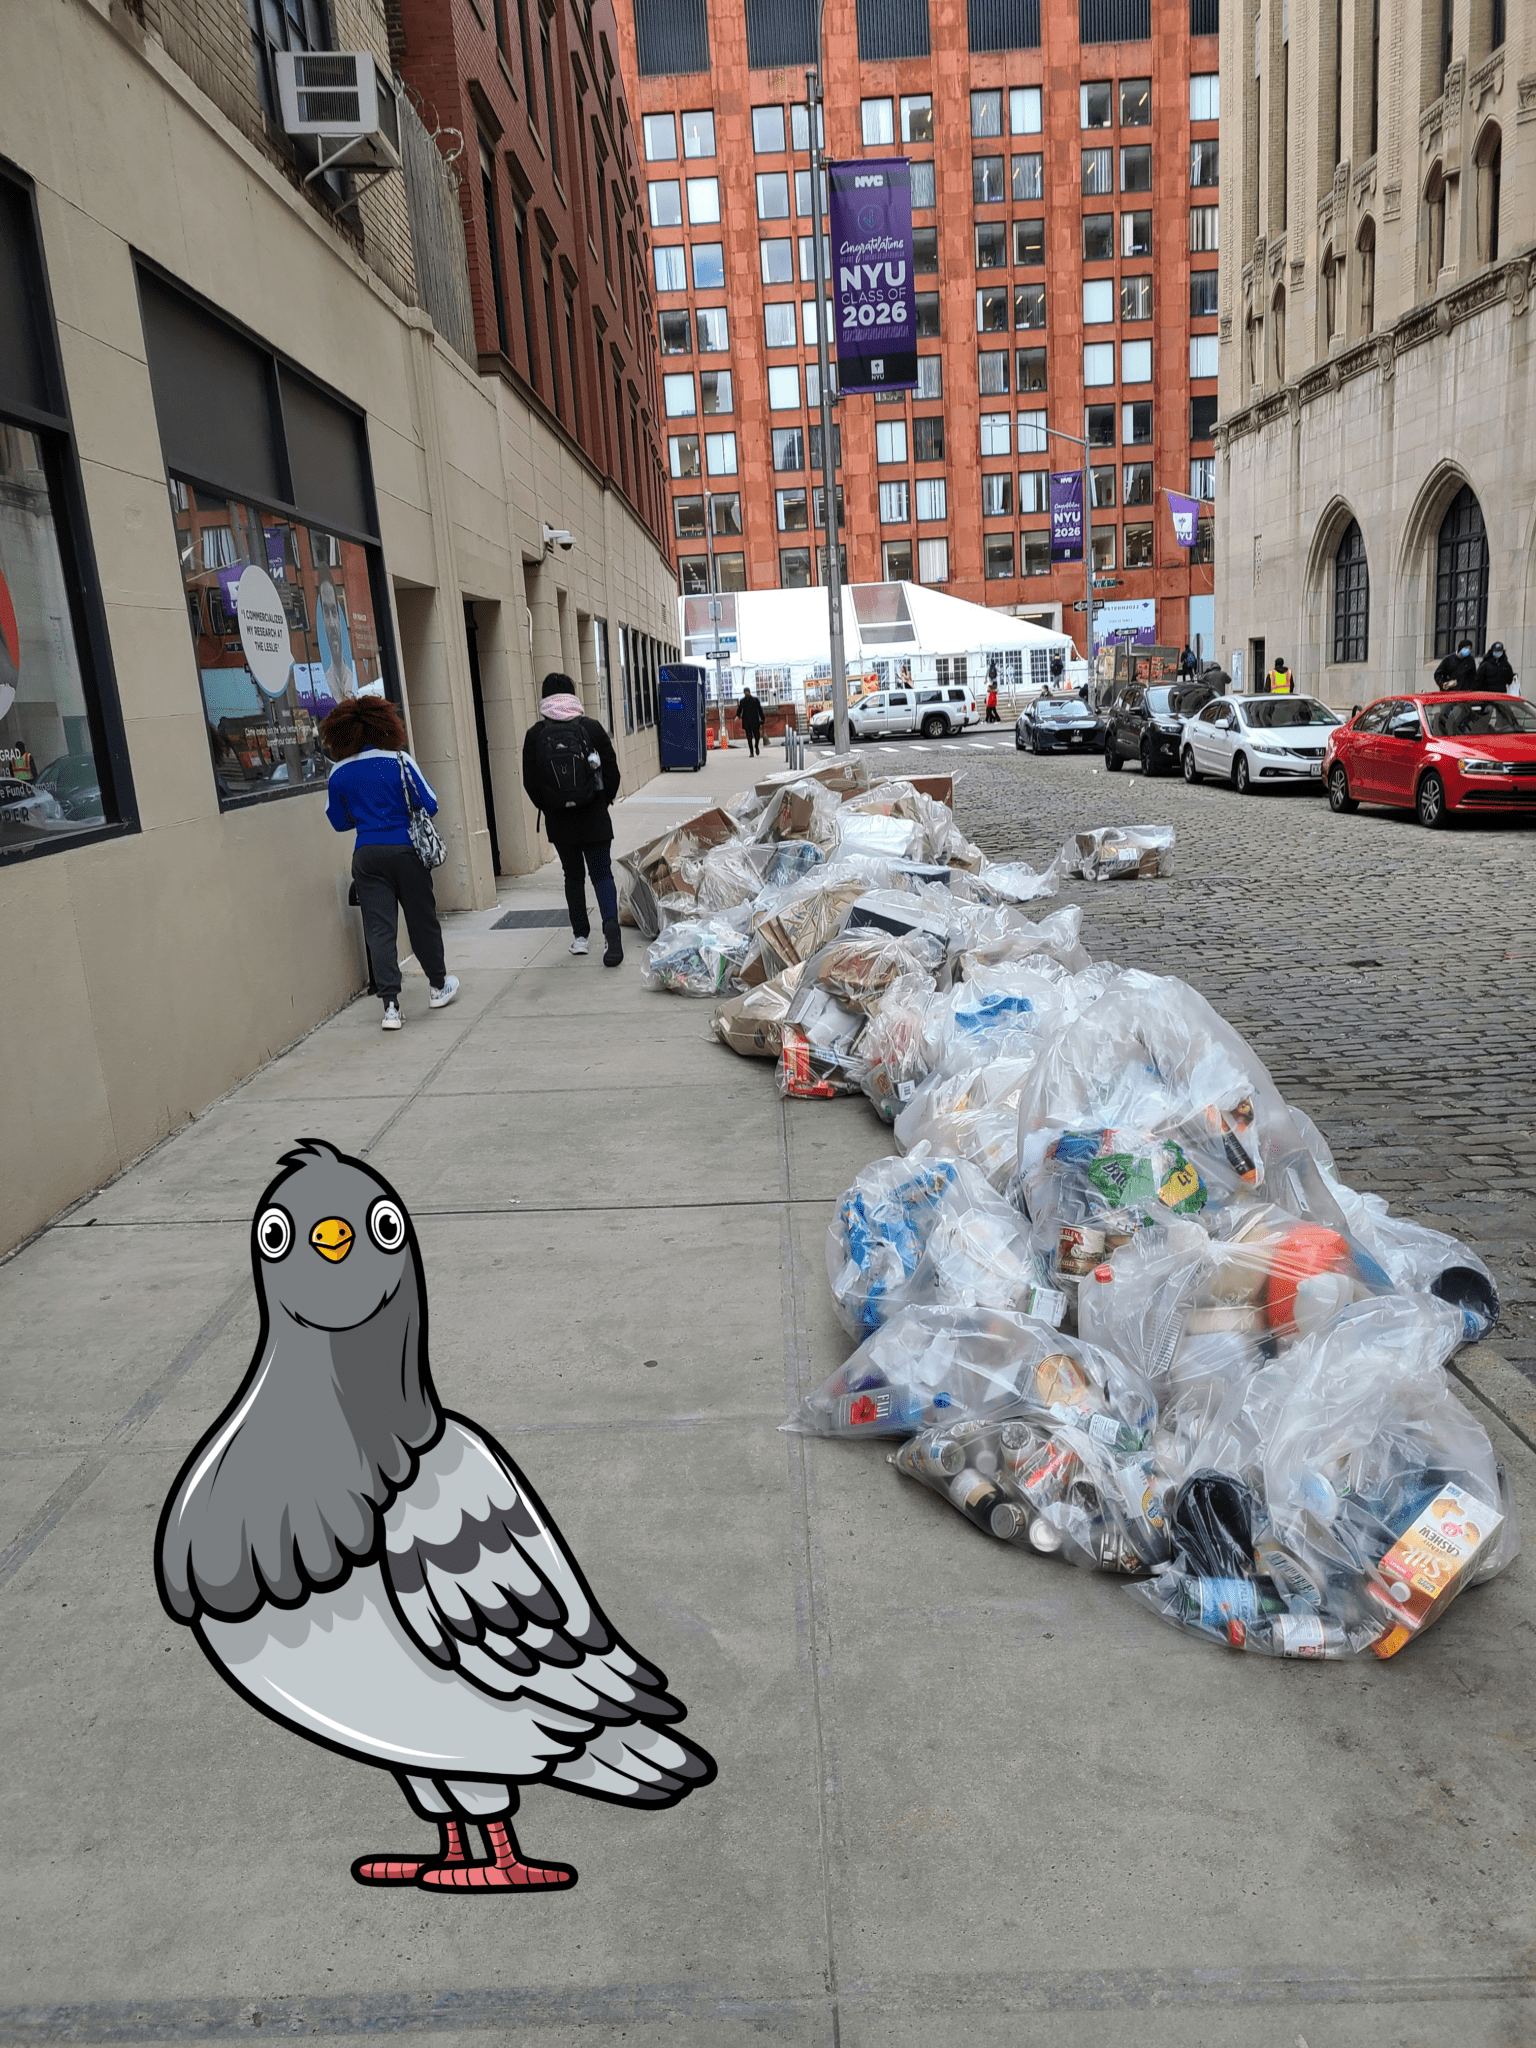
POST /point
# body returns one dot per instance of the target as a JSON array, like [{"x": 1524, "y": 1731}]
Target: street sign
[
  {"x": 1080, "y": 605},
  {"x": 1106, "y": 582}
]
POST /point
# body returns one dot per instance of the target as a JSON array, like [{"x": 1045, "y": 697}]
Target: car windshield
[
  {"x": 1160, "y": 702},
  {"x": 1060, "y": 707},
  {"x": 1494, "y": 718},
  {"x": 1275, "y": 711}
]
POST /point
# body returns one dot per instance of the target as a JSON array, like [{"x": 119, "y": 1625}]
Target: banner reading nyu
[
  {"x": 1186, "y": 517},
  {"x": 1066, "y": 515},
  {"x": 871, "y": 203}
]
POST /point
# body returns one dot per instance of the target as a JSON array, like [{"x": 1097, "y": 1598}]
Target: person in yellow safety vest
[{"x": 1279, "y": 679}]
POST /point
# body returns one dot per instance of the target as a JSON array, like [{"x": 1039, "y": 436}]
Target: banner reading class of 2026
[{"x": 871, "y": 206}]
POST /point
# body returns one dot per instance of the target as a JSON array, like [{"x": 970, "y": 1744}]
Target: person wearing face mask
[
  {"x": 1458, "y": 671},
  {"x": 1494, "y": 673}
]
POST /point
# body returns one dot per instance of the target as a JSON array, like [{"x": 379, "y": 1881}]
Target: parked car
[
  {"x": 72, "y": 781},
  {"x": 1441, "y": 754},
  {"x": 1051, "y": 722},
  {"x": 1141, "y": 724},
  {"x": 25, "y": 805},
  {"x": 933, "y": 710},
  {"x": 1250, "y": 740}
]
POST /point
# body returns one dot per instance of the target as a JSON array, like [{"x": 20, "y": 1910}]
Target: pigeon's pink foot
[
  {"x": 407, "y": 1869},
  {"x": 507, "y": 1872}
]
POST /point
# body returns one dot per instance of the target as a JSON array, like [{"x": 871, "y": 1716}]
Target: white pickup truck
[{"x": 932, "y": 709}]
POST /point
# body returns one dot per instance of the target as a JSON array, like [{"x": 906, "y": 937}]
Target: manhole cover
[{"x": 530, "y": 920}]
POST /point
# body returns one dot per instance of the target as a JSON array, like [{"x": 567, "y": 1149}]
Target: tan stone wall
[
  {"x": 156, "y": 969},
  {"x": 1425, "y": 383}
]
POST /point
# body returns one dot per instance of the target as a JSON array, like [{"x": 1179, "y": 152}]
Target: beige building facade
[
  {"x": 1376, "y": 451},
  {"x": 212, "y": 374}
]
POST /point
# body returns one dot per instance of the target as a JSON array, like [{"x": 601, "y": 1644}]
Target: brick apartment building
[
  {"x": 1065, "y": 188},
  {"x": 523, "y": 96}
]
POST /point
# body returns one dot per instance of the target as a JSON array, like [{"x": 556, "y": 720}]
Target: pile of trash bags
[{"x": 1111, "y": 1300}]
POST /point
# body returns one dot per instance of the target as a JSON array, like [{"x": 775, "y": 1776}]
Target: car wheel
[
  {"x": 1037, "y": 743},
  {"x": 1018, "y": 742},
  {"x": 1191, "y": 772},
  {"x": 1242, "y": 781},
  {"x": 935, "y": 727},
  {"x": 1112, "y": 760},
  {"x": 1431, "y": 805},
  {"x": 1148, "y": 765},
  {"x": 1338, "y": 790}
]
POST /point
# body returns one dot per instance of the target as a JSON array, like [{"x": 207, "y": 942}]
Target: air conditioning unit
[{"x": 343, "y": 103}]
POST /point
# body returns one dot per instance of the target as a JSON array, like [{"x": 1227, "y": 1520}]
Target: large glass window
[
  {"x": 928, "y": 438},
  {"x": 788, "y": 448},
  {"x": 1136, "y": 423},
  {"x": 674, "y": 332},
  {"x": 997, "y": 495},
  {"x": 666, "y": 198},
  {"x": 1205, "y": 162},
  {"x": 1098, "y": 301},
  {"x": 1031, "y": 369},
  {"x": 917, "y": 117},
  {"x": 1097, "y": 104},
  {"x": 772, "y": 195},
  {"x": 922, "y": 182},
  {"x": 778, "y": 260},
  {"x": 671, "y": 270},
  {"x": 930, "y": 377},
  {"x": 714, "y": 391},
  {"x": 1205, "y": 96},
  {"x": 1136, "y": 234},
  {"x": 890, "y": 440},
  {"x": 1135, "y": 298},
  {"x": 876, "y": 121},
  {"x": 933, "y": 560},
  {"x": 986, "y": 113},
  {"x": 1202, "y": 294},
  {"x": 991, "y": 245},
  {"x": 699, "y": 133},
  {"x": 784, "y": 388},
  {"x": 987, "y": 180},
  {"x": 683, "y": 451},
  {"x": 1098, "y": 172},
  {"x": 660, "y": 132},
  {"x": 895, "y": 505},
  {"x": 1024, "y": 110},
  {"x": 999, "y": 556},
  {"x": 1136, "y": 168},
  {"x": 1028, "y": 177},
  {"x": 792, "y": 510},
  {"x": 708, "y": 266},
  {"x": 1028, "y": 241},
  {"x": 779, "y": 324},
  {"x": 703, "y": 200},
  {"x": 1461, "y": 575},
  {"x": 678, "y": 395},
  {"x": 1098, "y": 238},
  {"x": 1029, "y": 305},
  {"x": 896, "y": 561},
  {"x": 794, "y": 568},
  {"x": 768, "y": 131},
  {"x": 1135, "y": 103},
  {"x": 714, "y": 331}
]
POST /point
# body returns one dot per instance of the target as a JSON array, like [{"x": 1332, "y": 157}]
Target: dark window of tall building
[
  {"x": 299, "y": 25},
  {"x": 1461, "y": 576},
  {"x": 493, "y": 238},
  {"x": 1100, "y": 429},
  {"x": 670, "y": 36},
  {"x": 1375, "y": 73},
  {"x": 1004, "y": 24},
  {"x": 780, "y": 33},
  {"x": 1202, "y": 418},
  {"x": 1205, "y": 17},
  {"x": 1114, "y": 21},
  {"x": 892, "y": 28},
  {"x": 570, "y": 350},
  {"x": 549, "y": 324},
  {"x": 1202, "y": 294},
  {"x": 549, "y": 93},
  {"x": 1351, "y": 597},
  {"x": 1098, "y": 237},
  {"x": 525, "y": 288},
  {"x": 1496, "y": 29},
  {"x": 525, "y": 45},
  {"x": 925, "y": 251},
  {"x": 928, "y": 438}
]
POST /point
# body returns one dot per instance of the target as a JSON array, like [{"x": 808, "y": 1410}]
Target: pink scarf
[{"x": 564, "y": 705}]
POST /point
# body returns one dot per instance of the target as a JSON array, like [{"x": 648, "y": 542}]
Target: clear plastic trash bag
[
  {"x": 1057, "y": 935},
  {"x": 926, "y": 1229},
  {"x": 1107, "y": 853},
  {"x": 698, "y": 957}
]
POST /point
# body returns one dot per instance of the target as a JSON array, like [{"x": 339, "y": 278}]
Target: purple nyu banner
[
  {"x": 1186, "y": 517},
  {"x": 1066, "y": 515},
  {"x": 871, "y": 201}
]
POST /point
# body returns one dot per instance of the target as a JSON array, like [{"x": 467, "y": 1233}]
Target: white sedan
[{"x": 1249, "y": 740}]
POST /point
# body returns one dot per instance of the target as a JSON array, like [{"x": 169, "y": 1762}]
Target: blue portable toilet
[{"x": 681, "y": 728}]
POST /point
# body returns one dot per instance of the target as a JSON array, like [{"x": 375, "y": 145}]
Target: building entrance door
[
  {"x": 471, "y": 640},
  {"x": 1256, "y": 668}
]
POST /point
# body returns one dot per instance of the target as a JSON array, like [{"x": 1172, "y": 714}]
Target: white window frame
[
  {"x": 932, "y": 492},
  {"x": 996, "y": 433},
  {"x": 891, "y": 441},
  {"x": 720, "y": 455},
  {"x": 1024, "y": 110}
]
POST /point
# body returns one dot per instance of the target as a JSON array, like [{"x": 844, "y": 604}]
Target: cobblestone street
[{"x": 1383, "y": 972}]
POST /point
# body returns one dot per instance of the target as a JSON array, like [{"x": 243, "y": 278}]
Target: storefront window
[
  {"x": 306, "y": 641},
  {"x": 56, "y": 711}
]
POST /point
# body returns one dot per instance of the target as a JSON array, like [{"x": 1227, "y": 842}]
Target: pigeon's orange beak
[{"x": 332, "y": 1239}]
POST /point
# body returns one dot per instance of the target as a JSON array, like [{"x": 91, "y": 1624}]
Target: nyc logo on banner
[{"x": 871, "y": 206}]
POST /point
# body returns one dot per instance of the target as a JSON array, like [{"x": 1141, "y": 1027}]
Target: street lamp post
[
  {"x": 840, "y": 740},
  {"x": 714, "y": 598}
]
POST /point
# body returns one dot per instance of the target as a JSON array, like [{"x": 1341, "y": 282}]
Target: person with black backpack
[{"x": 571, "y": 774}]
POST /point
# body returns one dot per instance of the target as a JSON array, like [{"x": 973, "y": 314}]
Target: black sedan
[{"x": 1052, "y": 722}]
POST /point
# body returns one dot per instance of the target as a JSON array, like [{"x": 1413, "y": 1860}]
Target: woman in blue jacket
[{"x": 364, "y": 736}]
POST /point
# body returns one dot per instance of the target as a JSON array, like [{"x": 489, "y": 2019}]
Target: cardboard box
[
  {"x": 660, "y": 864},
  {"x": 843, "y": 775},
  {"x": 1430, "y": 1563},
  {"x": 753, "y": 1037}
]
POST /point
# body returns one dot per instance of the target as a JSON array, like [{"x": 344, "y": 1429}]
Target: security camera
[{"x": 558, "y": 537}]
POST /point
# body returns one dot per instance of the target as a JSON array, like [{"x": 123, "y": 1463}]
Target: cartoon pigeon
[{"x": 376, "y": 1573}]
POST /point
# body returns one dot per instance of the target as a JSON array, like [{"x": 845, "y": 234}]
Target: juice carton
[{"x": 1430, "y": 1563}]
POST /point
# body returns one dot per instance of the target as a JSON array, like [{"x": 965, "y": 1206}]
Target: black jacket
[
  {"x": 1494, "y": 672},
  {"x": 1457, "y": 672},
  {"x": 591, "y": 825},
  {"x": 750, "y": 712}
]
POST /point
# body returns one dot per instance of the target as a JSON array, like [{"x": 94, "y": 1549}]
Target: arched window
[
  {"x": 1461, "y": 576},
  {"x": 1330, "y": 296},
  {"x": 1351, "y": 596},
  {"x": 1490, "y": 164},
  {"x": 1277, "y": 322},
  {"x": 1434, "y": 227},
  {"x": 1365, "y": 246}
]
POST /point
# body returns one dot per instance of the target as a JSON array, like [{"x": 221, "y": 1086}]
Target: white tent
[{"x": 779, "y": 640}]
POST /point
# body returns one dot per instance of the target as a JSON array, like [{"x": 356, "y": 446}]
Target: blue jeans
[{"x": 595, "y": 860}]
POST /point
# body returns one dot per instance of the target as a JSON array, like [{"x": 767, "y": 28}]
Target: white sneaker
[
  {"x": 391, "y": 1016},
  {"x": 440, "y": 998},
  {"x": 579, "y": 946}
]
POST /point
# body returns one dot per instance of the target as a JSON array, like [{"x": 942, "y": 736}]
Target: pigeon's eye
[
  {"x": 274, "y": 1233},
  {"x": 386, "y": 1225}
]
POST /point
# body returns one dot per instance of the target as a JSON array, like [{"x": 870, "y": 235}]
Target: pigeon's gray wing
[{"x": 484, "y": 1583}]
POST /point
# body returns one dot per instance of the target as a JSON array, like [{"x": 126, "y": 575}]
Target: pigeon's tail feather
[{"x": 640, "y": 1765}]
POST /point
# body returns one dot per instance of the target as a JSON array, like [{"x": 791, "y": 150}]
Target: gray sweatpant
[{"x": 391, "y": 879}]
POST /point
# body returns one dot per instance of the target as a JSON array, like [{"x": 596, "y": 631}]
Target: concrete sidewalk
[{"x": 964, "y": 1794}]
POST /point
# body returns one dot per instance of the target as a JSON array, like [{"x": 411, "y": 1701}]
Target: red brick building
[
  {"x": 527, "y": 100},
  {"x": 1065, "y": 194}
]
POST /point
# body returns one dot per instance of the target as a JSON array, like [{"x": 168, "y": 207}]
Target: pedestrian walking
[
  {"x": 749, "y": 715},
  {"x": 1494, "y": 672},
  {"x": 1281, "y": 681},
  {"x": 374, "y": 787},
  {"x": 571, "y": 774},
  {"x": 1188, "y": 666},
  {"x": 1458, "y": 671},
  {"x": 992, "y": 717}
]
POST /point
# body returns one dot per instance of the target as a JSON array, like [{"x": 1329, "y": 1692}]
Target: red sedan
[{"x": 1439, "y": 754}]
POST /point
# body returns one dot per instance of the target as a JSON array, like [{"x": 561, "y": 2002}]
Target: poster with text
[
  {"x": 871, "y": 206},
  {"x": 1066, "y": 515}
]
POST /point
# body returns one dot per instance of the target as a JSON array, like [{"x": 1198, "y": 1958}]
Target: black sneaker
[{"x": 613, "y": 944}]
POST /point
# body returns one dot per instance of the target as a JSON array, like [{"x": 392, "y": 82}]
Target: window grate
[
  {"x": 1004, "y": 25},
  {"x": 1205, "y": 17},
  {"x": 671, "y": 36},
  {"x": 891, "y": 29},
  {"x": 1114, "y": 21},
  {"x": 780, "y": 32},
  {"x": 531, "y": 920}
]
